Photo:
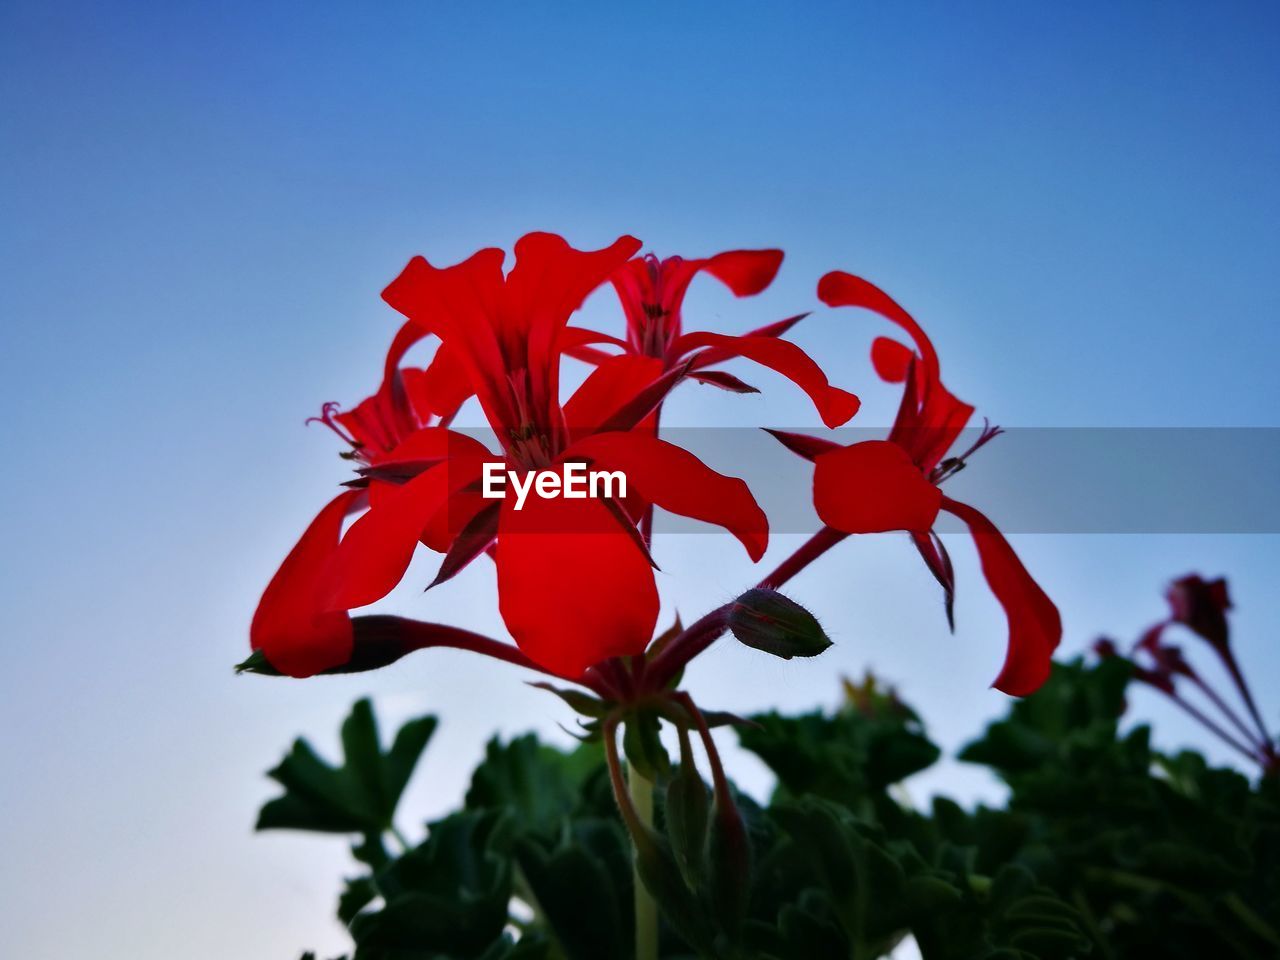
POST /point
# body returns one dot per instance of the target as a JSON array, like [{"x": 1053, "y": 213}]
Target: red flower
[
  {"x": 893, "y": 484},
  {"x": 575, "y": 581},
  {"x": 293, "y": 627},
  {"x": 652, "y": 293},
  {"x": 1201, "y": 606}
]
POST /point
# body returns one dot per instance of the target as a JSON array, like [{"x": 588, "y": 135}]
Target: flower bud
[{"x": 768, "y": 621}]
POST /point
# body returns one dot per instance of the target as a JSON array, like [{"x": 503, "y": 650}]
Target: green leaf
[
  {"x": 581, "y": 883},
  {"x": 661, "y": 876},
  {"x": 643, "y": 747},
  {"x": 688, "y": 809},
  {"x": 580, "y": 702},
  {"x": 538, "y": 784},
  {"x": 358, "y": 797},
  {"x": 848, "y": 757},
  {"x": 448, "y": 895},
  {"x": 358, "y": 894},
  {"x": 257, "y": 662},
  {"x": 768, "y": 621}
]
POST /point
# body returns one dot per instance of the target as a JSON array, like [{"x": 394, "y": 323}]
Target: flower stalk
[{"x": 640, "y": 791}]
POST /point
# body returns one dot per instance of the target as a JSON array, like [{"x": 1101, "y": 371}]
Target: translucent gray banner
[{"x": 1037, "y": 480}]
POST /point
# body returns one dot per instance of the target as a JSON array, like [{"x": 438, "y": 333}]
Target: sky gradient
[{"x": 200, "y": 204}]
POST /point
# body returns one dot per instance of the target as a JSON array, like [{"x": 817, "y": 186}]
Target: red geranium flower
[
  {"x": 293, "y": 627},
  {"x": 1201, "y": 605},
  {"x": 575, "y": 581},
  {"x": 652, "y": 294},
  {"x": 893, "y": 484}
]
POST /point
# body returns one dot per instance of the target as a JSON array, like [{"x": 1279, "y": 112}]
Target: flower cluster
[
  {"x": 1199, "y": 607},
  {"x": 575, "y": 577}
]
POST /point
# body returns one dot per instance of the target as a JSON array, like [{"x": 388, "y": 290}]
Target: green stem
[
  {"x": 641, "y": 793},
  {"x": 405, "y": 845}
]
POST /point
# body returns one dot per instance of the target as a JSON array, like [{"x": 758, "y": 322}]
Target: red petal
[
  {"x": 460, "y": 304},
  {"x": 548, "y": 283},
  {"x": 802, "y": 444},
  {"x": 581, "y": 337},
  {"x": 293, "y": 627},
  {"x": 934, "y": 554},
  {"x": 443, "y": 386},
  {"x": 745, "y": 272},
  {"x": 610, "y": 386},
  {"x": 834, "y": 405},
  {"x": 376, "y": 551},
  {"x": 777, "y": 328},
  {"x": 638, "y": 412},
  {"x": 872, "y": 487},
  {"x": 408, "y": 334},
  {"x": 725, "y": 381},
  {"x": 471, "y": 540},
  {"x": 1035, "y": 626},
  {"x": 371, "y": 425},
  {"x": 674, "y": 479},
  {"x": 432, "y": 444},
  {"x": 573, "y": 587},
  {"x": 454, "y": 517},
  {"x": 840, "y": 289},
  {"x": 891, "y": 359}
]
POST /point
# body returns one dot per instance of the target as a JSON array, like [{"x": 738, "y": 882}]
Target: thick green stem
[{"x": 641, "y": 792}]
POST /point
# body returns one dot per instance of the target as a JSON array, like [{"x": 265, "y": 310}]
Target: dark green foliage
[
  {"x": 447, "y": 897},
  {"x": 1158, "y": 852},
  {"x": 847, "y": 757},
  {"x": 1106, "y": 849},
  {"x": 570, "y": 851},
  {"x": 358, "y": 797}
]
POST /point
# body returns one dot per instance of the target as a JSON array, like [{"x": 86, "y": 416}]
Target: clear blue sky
[{"x": 201, "y": 202}]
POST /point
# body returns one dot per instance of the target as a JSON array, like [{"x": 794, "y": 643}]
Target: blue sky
[{"x": 201, "y": 203}]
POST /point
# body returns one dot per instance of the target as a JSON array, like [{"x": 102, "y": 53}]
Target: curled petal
[
  {"x": 460, "y": 304},
  {"x": 443, "y": 386},
  {"x": 293, "y": 626},
  {"x": 872, "y": 487},
  {"x": 834, "y": 405},
  {"x": 574, "y": 588},
  {"x": 676, "y": 480},
  {"x": 840, "y": 289},
  {"x": 1035, "y": 627},
  {"x": 891, "y": 359}
]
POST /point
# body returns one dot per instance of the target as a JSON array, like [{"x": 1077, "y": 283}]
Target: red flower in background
[
  {"x": 881, "y": 485},
  {"x": 652, "y": 294},
  {"x": 1201, "y": 606},
  {"x": 575, "y": 582}
]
